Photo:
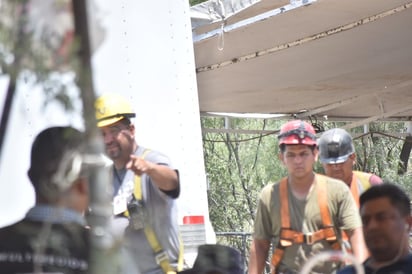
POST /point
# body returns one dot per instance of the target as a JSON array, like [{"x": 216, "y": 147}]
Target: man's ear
[
  {"x": 132, "y": 131},
  {"x": 353, "y": 158},
  {"x": 281, "y": 157},
  {"x": 316, "y": 153},
  {"x": 132, "y": 128},
  {"x": 408, "y": 224}
]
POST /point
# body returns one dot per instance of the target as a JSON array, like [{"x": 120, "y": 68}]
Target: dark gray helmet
[{"x": 335, "y": 146}]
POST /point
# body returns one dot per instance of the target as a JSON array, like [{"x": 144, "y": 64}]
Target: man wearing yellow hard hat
[{"x": 145, "y": 190}]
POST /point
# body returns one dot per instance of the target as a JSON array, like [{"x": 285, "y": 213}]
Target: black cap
[
  {"x": 52, "y": 157},
  {"x": 218, "y": 259}
]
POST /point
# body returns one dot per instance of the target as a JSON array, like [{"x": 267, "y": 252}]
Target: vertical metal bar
[
  {"x": 104, "y": 255},
  {"x": 6, "y": 110}
]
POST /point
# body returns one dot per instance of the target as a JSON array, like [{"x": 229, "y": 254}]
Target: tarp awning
[{"x": 345, "y": 60}]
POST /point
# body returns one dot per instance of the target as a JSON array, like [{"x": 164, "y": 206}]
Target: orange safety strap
[
  {"x": 289, "y": 237},
  {"x": 284, "y": 215},
  {"x": 355, "y": 194},
  {"x": 323, "y": 201},
  {"x": 354, "y": 189},
  {"x": 324, "y": 211},
  {"x": 284, "y": 205},
  {"x": 364, "y": 179}
]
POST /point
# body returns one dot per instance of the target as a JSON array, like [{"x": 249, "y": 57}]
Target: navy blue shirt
[
  {"x": 49, "y": 239},
  {"x": 403, "y": 266}
]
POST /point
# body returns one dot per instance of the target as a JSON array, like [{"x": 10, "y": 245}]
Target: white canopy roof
[{"x": 345, "y": 60}]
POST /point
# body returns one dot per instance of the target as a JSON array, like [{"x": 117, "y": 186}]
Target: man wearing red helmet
[{"x": 303, "y": 213}]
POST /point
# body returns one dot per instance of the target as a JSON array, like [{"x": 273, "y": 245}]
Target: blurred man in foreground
[
  {"x": 52, "y": 237},
  {"x": 386, "y": 216}
]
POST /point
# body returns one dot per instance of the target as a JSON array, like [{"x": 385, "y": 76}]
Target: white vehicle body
[{"x": 145, "y": 53}]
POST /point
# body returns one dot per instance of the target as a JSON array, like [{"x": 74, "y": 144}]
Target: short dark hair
[
  {"x": 393, "y": 192},
  {"x": 52, "y": 154},
  {"x": 125, "y": 121}
]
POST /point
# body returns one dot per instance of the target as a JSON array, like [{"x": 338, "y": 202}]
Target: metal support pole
[{"x": 104, "y": 253}]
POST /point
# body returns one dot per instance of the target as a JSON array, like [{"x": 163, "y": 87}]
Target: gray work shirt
[{"x": 161, "y": 215}]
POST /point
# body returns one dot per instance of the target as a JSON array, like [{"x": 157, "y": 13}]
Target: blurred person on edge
[
  {"x": 386, "y": 216},
  {"x": 52, "y": 237}
]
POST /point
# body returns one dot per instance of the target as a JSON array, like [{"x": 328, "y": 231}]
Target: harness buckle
[
  {"x": 309, "y": 239},
  {"x": 161, "y": 256}
]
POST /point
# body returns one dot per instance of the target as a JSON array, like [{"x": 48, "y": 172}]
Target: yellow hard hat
[{"x": 111, "y": 108}]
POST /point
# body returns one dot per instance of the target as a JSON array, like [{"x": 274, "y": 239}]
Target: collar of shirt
[
  {"x": 57, "y": 215},
  {"x": 392, "y": 267}
]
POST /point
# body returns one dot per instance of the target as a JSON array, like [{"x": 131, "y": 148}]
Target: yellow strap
[
  {"x": 138, "y": 181},
  {"x": 364, "y": 178},
  {"x": 161, "y": 256},
  {"x": 137, "y": 185},
  {"x": 180, "y": 260}
]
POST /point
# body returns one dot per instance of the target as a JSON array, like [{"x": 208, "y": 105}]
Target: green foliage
[
  {"x": 195, "y": 2},
  {"x": 238, "y": 166},
  {"x": 36, "y": 53}
]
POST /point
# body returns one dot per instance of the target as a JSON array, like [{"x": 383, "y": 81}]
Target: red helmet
[{"x": 297, "y": 132}]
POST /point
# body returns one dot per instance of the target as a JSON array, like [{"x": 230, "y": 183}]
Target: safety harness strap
[
  {"x": 284, "y": 203},
  {"x": 323, "y": 201},
  {"x": 329, "y": 230},
  {"x": 288, "y": 237},
  {"x": 138, "y": 195},
  {"x": 284, "y": 215},
  {"x": 363, "y": 179}
]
